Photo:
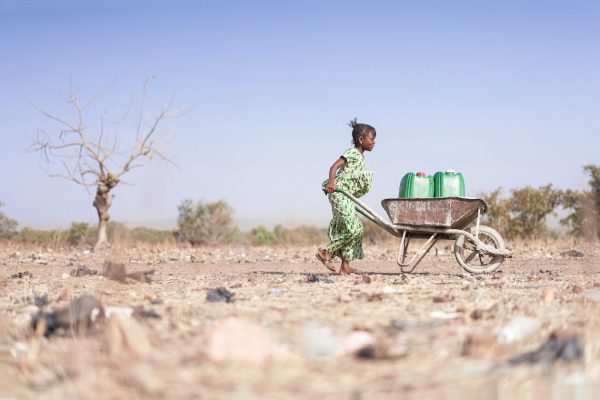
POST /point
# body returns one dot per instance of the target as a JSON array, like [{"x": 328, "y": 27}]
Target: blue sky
[{"x": 506, "y": 92}]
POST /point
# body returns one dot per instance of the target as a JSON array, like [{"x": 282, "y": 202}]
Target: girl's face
[{"x": 367, "y": 142}]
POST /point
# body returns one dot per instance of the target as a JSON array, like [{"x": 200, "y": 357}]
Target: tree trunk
[{"x": 102, "y": 202}]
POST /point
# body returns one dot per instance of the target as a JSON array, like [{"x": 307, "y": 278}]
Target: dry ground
[{"x": 271, "y": 288}]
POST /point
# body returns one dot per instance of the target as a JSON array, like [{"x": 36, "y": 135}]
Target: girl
[{"x": 346, "y": 229}]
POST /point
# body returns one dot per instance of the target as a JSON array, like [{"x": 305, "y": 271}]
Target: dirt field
[{"x": 434, "y": 334}]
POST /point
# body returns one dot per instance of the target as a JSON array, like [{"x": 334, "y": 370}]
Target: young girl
[{"x": 346, "y": 229}]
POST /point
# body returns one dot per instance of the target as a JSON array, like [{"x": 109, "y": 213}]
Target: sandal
[{"x": 326, "y": 263}]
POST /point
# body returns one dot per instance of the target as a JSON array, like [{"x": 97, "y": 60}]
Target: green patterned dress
[{"x": 346, "y": 229}]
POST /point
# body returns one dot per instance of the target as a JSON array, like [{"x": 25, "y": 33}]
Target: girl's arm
[{"x": 331, "y": 186}]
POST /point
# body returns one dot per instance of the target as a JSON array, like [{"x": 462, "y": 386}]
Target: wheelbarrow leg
[{"x": 416, "y": 259}]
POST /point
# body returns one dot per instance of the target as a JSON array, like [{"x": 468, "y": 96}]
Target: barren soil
[{"x": 435, "y": 330}]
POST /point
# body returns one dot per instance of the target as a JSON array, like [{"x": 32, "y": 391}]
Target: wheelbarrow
[{"x": 477, "y": 248}]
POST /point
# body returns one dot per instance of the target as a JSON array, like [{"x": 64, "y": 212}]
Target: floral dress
[{"x": 346, "y": 229}]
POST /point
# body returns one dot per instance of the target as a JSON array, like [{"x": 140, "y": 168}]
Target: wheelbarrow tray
[{"x": 444, "y": 212}]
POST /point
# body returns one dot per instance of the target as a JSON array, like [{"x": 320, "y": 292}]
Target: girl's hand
[{"x": 330, "y": 187}]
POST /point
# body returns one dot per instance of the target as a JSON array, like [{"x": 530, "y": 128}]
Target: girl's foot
[
  {"x": 325, "y": 259},
  {"x": 345, "y": 269}
]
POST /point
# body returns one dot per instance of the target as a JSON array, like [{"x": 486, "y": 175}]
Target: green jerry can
[
  {"x": 449, "y": 184},
  {"x": 416, "y": 186}
]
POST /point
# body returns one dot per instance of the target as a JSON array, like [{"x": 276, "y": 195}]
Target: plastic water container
[
  {"x": 416, "y": 186},
  {"x": 449, "y": 184}
]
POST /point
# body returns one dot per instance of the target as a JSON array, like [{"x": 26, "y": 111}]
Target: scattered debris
[
  {"x": 318, "y": 278},
  {"x": 79, "y": 316},
  {"x": 82, "y": 270},
  {"x": 565, "y": 349},
  {"x": 21, "y": 275},
  {"x": 219, "y": 295},
  {"x": 572, "y": 253},
  {"x": 235, "y": 286},
  {"x": 517, "y": 328}
]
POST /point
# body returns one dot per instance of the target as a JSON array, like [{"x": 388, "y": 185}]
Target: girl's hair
[{"x": 360, "y": 130}]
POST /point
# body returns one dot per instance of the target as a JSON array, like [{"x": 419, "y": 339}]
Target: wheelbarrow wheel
[{"x": 477, "y": 261}]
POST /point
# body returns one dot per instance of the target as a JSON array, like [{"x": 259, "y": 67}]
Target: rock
[
  {"x": 572, "y": 253},
  {"x": 117, "y": 272},
  {"x": 547, "y": 295},
  {"x": 444, "y": 314},
  {"x": 41, "y": 301},
  {"x": 576, "y": 289},
  {"x": 381, "y": 350},
  {"x": 356, "y": 340},
  {"x": 591, "y": 294},
  {"x": 317, "y": 278},
  {"x": 488, "y": 313},
  {"x": 82, "y": 270},
  {"x": 219, "y": 295},
  {"x": 79, "y": 316},
  {"x": 127, "y": 337},
  {"x": 482, "y": 345},
  {"x": 21, "y": 275},
  {"x": 366, "y": 278},
  {"x": 517, "y": 328},
  {"x": 114, "y": 271},
  {"x": 411, "y": 324},
  {"x": 123, "y": 312},
  {"x": 240, "y": 340},
  {"x": 565, "y": 349},
  {"x": 19, "y": 349},
  {"x": 443, "y": 299}
]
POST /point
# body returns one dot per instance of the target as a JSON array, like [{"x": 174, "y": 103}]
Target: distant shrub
[
  {"x": 373, "y": 234},
  {"x": 261, "y": 236},
  {"x": 594, "y": 171},
  {"x": 77, "y": 233},
  {"x": 37, "y": 237},
  {"x": 205, "y": 223},
  {"x": 8, "y": 226},
  {"x": 524, "y": 213}
]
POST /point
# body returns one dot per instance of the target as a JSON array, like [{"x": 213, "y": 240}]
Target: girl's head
[{"x": 363, "y": 135}]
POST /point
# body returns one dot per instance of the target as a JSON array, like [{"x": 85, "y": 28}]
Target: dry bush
[
  {"x": 205, "y": 223},
  {"x": 8, "y": 226}
]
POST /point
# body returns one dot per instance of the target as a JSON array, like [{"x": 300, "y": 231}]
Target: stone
[{"x": 126, "y": 337}]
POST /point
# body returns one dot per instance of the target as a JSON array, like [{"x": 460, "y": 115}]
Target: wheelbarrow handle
[{"x": 369, "y": 213}]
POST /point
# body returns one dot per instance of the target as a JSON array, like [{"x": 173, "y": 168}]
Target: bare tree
[{"x": 100, "y": 155}]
